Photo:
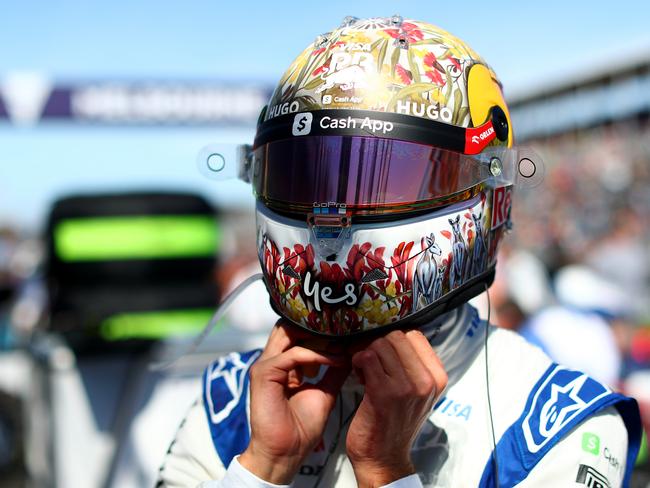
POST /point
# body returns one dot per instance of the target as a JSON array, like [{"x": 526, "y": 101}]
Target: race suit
[{"x": 552, "y": 426}]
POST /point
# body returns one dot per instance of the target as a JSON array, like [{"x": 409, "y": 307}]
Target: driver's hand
[
  {"x": 403, "y": 377},
  {"x": 288, "y": 416}
]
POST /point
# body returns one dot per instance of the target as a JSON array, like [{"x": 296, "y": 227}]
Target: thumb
[{"x": 301, "y": 356}]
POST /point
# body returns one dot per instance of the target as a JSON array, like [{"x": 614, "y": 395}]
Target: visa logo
[{"x": 452, "y": 408}]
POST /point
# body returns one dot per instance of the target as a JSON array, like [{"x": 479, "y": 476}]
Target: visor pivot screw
[{"x": 496, "y": 167}]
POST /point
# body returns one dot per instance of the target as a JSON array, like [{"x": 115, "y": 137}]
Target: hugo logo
[
  {"x": 501, "y": 203},
  {"x": 325, "y": 293}
]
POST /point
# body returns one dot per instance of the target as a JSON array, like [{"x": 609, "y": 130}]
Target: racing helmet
[{"x": 383, "y": 169}]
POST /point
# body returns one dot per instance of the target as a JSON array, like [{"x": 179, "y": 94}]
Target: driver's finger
[
  {"x": 282, "y": 337},
  {"x": 301, "y": 356},
  {"x": 430, "y": 359}
]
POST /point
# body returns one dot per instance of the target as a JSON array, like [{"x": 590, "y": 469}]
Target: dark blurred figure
[{"x": 122, "y": 272}]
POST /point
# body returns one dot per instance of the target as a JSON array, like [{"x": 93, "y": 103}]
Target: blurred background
[{"x": 114, "y": 249}]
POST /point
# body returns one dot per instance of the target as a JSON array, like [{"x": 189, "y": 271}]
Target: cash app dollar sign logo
[
  {"x": 302, "y": 124},
  {"x": 591, "y": 443}
]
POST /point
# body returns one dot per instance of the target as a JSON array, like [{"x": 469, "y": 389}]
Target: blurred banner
[
  {"x": 600, "y": 95},
  {"x": 29, "y": 98}
]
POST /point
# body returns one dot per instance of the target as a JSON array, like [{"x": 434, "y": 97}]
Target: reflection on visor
[
  {"x": 369, "y": 174},
  {"x": 365, "y": 172}
]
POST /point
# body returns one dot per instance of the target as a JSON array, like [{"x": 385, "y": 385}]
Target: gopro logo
[{"x": 302, "y": 124}]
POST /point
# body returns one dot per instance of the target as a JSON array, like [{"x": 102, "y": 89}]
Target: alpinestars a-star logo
[
  {"x": 560, "y": 399},
  {"x": 230, "y": 370}
]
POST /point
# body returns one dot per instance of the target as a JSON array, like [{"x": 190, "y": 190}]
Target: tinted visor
[{"x": 370, "y": 175}]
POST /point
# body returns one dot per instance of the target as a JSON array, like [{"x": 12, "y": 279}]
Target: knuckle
[
  {"x": 396, "y": 334},
  {"x": 258, "y": 370},
  {"x": 425, "y": 386},
  {"x": 444, "y": 380},
  {"x": 254, "y": 371},
  {"x": 379, "y": 344},
  {"x": 408, "y": 390},
  {"x": 416, "y": 336}
]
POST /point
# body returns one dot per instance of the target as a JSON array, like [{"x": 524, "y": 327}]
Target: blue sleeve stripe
[
  {"x": 225, "y": 395},
  {"x": 629, "y": 411},
  {"x": 559, "y": 401}
]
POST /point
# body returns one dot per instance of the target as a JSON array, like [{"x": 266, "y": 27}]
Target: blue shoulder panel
[
  {"x": 559, "y": 401},
  {"x": 225, "y": 395}
]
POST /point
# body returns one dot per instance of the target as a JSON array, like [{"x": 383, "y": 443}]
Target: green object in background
[
  {"x": 155, "y": 325},
  {"x": 591, "y": 443},
  {"x": 136, "y": 237},
  {"x": 642, "y": 457}
]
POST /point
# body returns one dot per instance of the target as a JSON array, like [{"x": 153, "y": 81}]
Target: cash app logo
[{"x": 591, "y": 443}]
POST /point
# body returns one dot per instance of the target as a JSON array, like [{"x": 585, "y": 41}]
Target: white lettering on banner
[
  {"x": 421, "y": 110},
  {"x": 368, "y": 124},
  {"x": 325, "y": 293},
  {"x": 124, "y": 103},
  {"x": 501, "y": 203}
]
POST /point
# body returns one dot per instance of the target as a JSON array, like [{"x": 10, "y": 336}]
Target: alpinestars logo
[
  {"x": 560, "y": 399},
  {"x": 229, "y": 371},
  {"x": 302, "y": 124},
  {"x": 588, "y": 476}
]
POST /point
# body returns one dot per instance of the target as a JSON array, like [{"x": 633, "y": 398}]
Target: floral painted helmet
[{"x": 383, "y": 169}]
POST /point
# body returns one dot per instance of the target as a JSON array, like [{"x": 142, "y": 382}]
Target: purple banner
[{"x": 122, "y": 103}]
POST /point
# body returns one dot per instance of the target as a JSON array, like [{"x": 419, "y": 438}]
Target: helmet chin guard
[{"x": 389, "y": 274}]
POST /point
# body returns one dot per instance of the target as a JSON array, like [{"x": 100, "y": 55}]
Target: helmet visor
[{"x": 369, "y": 175}]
